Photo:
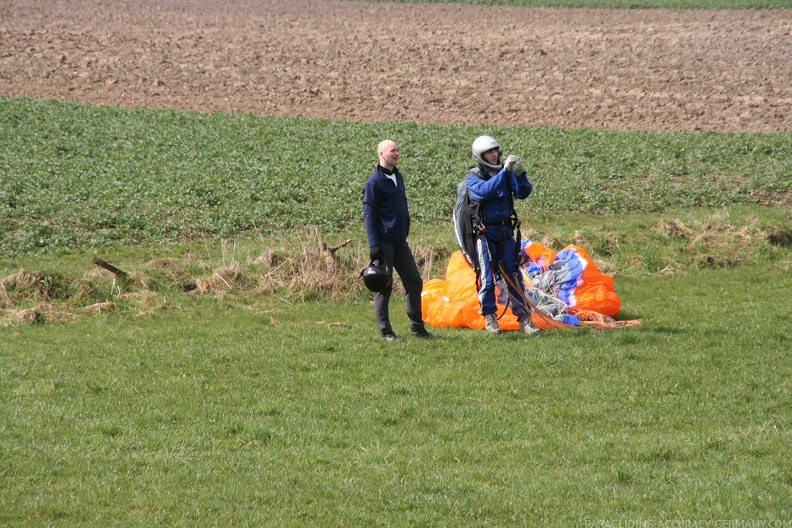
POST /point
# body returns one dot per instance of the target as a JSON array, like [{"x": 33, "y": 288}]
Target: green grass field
[
  {"x": 295, "y": 415},
  {"x": 265, "y": 399}
]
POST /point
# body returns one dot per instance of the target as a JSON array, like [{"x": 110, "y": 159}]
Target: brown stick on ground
[{"x": 121, "y": 274}]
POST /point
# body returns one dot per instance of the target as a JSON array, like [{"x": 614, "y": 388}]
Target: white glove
[
  {"x": 518, "y": 168},
  {"x": 514, "y": 163}
]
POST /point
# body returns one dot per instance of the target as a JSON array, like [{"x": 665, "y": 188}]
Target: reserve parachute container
[{"x": 466, "y": 217}]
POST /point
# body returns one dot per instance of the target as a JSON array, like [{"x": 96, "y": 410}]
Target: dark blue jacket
[
  {"x": 385, "y": 213},
  {"x": 494, "y": 192}
]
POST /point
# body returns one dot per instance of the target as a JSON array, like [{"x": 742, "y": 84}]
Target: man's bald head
[{"x": 388, "y": 153}]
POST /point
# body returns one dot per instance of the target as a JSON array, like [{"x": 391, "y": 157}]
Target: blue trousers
[{"x": 498, "y": 246}]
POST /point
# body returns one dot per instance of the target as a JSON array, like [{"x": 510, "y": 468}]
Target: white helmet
[{"x": 481, "y": 145}]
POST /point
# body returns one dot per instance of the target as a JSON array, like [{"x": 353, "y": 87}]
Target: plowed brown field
[{"x": 616, "y": 70}]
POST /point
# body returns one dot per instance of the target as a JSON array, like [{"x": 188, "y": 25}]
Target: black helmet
[{"x": 377, "y": 275}]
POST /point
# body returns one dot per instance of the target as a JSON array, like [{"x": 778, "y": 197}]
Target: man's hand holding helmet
[{"x": 377, "y": 275}]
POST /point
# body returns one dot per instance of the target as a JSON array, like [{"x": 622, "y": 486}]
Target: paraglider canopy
[{"x": 565, "y": 287}]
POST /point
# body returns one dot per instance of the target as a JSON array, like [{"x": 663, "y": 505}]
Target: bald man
[{"x": 387, "y": 222}]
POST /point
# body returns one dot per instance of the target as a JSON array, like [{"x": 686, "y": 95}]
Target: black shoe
[
  {"x": 390, "y": 337},
  {"x": 422, "y": 333}
]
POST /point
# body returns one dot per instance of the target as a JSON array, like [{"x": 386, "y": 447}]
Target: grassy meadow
[
  {"x": 295, "y": 415},
  {"x": 234, "y": 377}
]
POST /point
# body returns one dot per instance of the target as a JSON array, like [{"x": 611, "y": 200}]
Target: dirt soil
[{"x": 616, "y": 70}]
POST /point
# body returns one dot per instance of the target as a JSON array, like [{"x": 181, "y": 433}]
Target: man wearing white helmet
[{"x": 494, "y": 185}]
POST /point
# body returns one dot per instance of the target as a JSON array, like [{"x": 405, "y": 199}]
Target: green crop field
[{"x": 84, "y": 177}]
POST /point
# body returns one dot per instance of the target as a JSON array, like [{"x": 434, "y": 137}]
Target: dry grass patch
[
  {"x": 714, "y": 243},
  {"x": 305, "y": 266},
  {"x": 33, "y": 286},
  {"x": 308, "y": 267},
  {"x": 674, "y": 229}
]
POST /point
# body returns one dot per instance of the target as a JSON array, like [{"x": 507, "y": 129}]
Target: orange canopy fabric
[{"x": 453, "y": 301}]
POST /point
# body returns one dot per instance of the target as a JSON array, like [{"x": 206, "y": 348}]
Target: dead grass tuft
[
  {"x": 307, "y": 265},
  {"x": 427, "y": 257},
  {"x": 674, "y": 229},
  {"x": 224, "y": 279},
  {"x": 40, "y": 314},
  {"x": 720, "y": 234},
  {"x": 24, "y": 286},
  {"x": 147, "y": 303},
  {"x": 669, "y": 270},
  {"x": 29, "y": 316},
  {"x": 99, "y": 308}
]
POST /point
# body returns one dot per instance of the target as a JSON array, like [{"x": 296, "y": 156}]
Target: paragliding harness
[{"x": 469, "y": 227}]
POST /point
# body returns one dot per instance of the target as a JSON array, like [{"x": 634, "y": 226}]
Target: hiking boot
[
  {"x": 390, "y": 337},
  {"x": 422, "y": 333},
  {"x": 492, "y": 324},
  {"x": 527, "y": 326}
]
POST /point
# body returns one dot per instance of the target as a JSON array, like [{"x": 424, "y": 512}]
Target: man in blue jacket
[
  {"x": 494, "y": 185},
  {"x": 387, "y": 222}
]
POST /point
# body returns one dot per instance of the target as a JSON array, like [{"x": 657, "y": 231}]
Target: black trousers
[{"x": 400, "y": 258}]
